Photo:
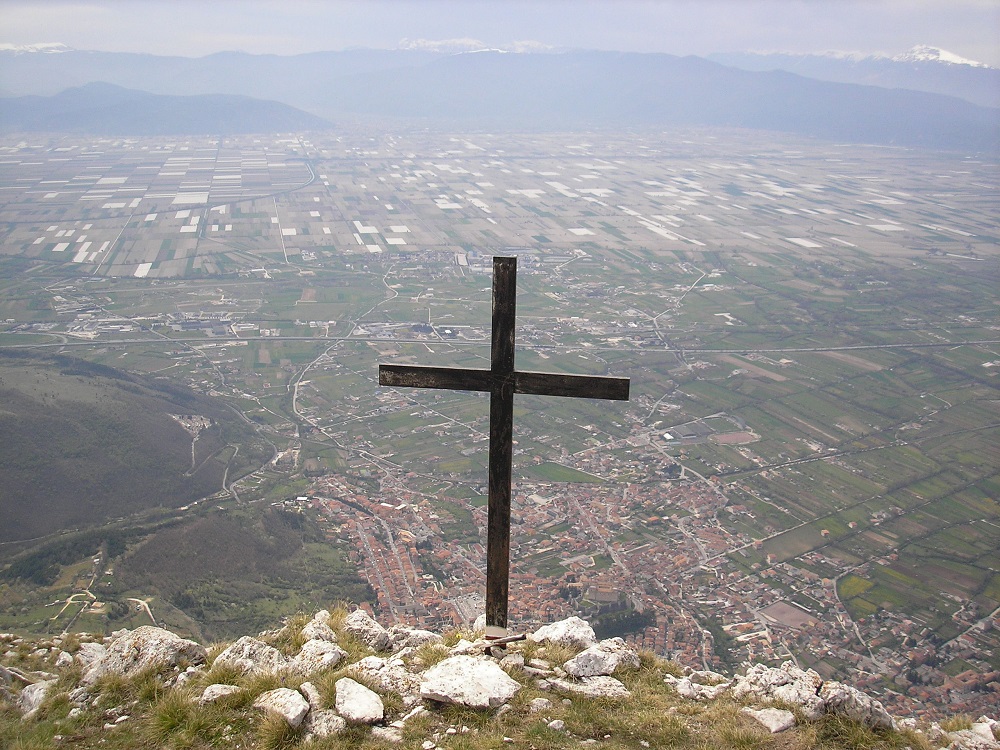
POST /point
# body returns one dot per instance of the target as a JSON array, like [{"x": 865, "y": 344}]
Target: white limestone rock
[
  {"x": 983, "y": 728},
  {"x": 465, "y": 647},
  {"x": 88, "y": 653},
  {"x": 64, "y": 660},
  {"x": 513, "y": 660},
  {"x": 187, "y": 675},
  {"x": 476, "y": 682},
  {"x": 539, "y": 704},
  {"x": 387, "y": 734},
  {"x": 687, "y": 687},
  {"x": 315, "y": 656},
  {"x": 357, "y": 704},
  {"x": 411, "y": 714},
  {"x": 401, "y": 637},
  {"x": 391, "y": 675},
  {"x": 217, "y": 691},
  {"x": 361, "y": 625},
  {"x": 705, "y": 676},
  {"x": 845, "y": 700},
  {"x": 592, "y": 687},
  {"x": 322, "y": 723},
  {"x": 572, "y": 632},
  {"x": 135, "y": 650},
  {"x": 284, "y": 702},
  {"x": 251, "y": 656},
  {"x": 787, "y": 683},
  {"x": 773, "y": 720},
  {"x": 30, "y": 699},
  {"x": 970, "y": 739},
  {"x": 312, "y": 695},
  {"x": 604, "y": 658},
  {"x": 314, "y": 630},
  {"x": 80, "y": 696}
]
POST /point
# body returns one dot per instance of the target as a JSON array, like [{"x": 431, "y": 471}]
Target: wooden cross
[{"x": 502, "y": 381}]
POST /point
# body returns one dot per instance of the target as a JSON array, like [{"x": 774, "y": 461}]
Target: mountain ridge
[
  {"x": 564, "y": 91},
  {"x": 83, "y": 443},
  {"x": 922, "y": 68},
  {"x": 107, "y": 109}
]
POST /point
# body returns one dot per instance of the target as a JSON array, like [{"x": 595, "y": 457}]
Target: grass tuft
[
  {"x": 841, "y": 732},
  {"x": 289, "y": 639},
  {"x": 170, "y": 716},
  {"x": 274, "y": 733},
  {"x": 427, "y": 655},
  {"x": 956, "y": 723},
  {"x": 740, "y": 736}
]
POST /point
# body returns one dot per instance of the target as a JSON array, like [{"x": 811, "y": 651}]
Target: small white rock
[
  {"x": 212, "y": 693},
  {"x": 286, "y": 703},
  {"x": 357, "y": 704},
  {"x": 773, "y": 720},
  {"x": 539, "y": 704},
  {"x": 387, "y": 734}
]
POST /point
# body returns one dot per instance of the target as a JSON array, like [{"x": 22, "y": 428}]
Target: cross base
[{"x": 495, "y": 633}]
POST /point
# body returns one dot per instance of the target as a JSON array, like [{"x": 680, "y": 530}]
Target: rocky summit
[{"x": 341, "y": 679}]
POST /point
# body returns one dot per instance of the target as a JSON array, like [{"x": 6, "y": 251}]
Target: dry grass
[
  {"x": 956, "y": 723},
  {"x": 288, "y": 640}
]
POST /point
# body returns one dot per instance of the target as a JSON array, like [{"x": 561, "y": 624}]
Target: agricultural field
[{"x": 812, "y": 333}]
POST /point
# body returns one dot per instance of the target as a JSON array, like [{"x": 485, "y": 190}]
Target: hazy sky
[{"x": 970, "y": 28}]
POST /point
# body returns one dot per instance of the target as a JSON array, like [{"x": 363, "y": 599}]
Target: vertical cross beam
[{"x": 501, "y": 446}]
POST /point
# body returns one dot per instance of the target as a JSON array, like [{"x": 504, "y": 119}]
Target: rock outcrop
[
  {"x": 361, "y": 625},
  {"x": 145, "y": 647},
  {"x": 603, "y": 658},
  {"x": 320, "y": 692},
  {"x": 252, "y": 656},
  {"x": 572, "y": 632},
  {"x": 315, "y": 656}
]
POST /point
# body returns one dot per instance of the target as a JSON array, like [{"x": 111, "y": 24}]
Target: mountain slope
[
  {"x": 81, "y": 444},
  {"x": 106, "y": 109},
  {"x": 925, "y": 69}
]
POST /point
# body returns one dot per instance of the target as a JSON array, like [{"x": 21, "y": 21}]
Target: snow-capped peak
[
  {"x": 925, "y": 53},
  {"x": 45, "y": 47},
  {"x": 922, "y": 53},
  {"x": 466, "y": 44}
]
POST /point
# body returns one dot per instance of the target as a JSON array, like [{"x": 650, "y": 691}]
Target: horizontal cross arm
[
  {"x": 449, "y": 378},
  {"x": 575, "y": 386}
]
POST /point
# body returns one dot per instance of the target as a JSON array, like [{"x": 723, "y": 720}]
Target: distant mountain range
[
  {"x": 490, "y": 89},
  {"x": 922, "y": 68},
  {"x": 105, "y": 109}
]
